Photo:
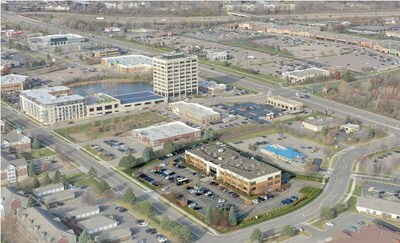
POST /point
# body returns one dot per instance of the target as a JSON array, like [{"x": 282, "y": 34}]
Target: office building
[
  {"x": 248, "y": 176},
  {"x": 369, "y": 233},
  {"x": 14, "y": 83},
  {"x": 285, "y": 103},
  {"x": 40, "y": 226},
  {"x": 195, "y": 112},
  {"x": 298, "y": 76},
  {"x": 215, "y": 55},
  {"x": 47, "y": 41},
  {"x": 138, "y": 64},
  {"x": 283, "y": 153},
  {"x": 211, "y": 87},
  {"x": 108, "y": 52},
  {"x": 52, "y": 105},
  {"x": 378, "y": 206},
  {"x": 317, "y": 124},
  {"x": 174, "y": 131},
  {"x": 175, "y": 75}
]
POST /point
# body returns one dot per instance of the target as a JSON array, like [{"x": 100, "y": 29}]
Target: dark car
[
  {"x": 151, "y": 231},
  {"x": 122, "y": 209}
]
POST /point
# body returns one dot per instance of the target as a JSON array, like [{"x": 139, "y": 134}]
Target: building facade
[
  {"x": 211, "y": 87},
  {"x": 47, "y": 190},
  {"x": 380, "y": 207},
  {"x": 16, "y": 141},
  {"x": 13, "y": 171},
  {"x": 195, "y": 112},
  {"x": 138, "y": 64},
  {"x": 317, "y": 124},
  {"x": 84, "y": 212},
  {"x": 107, "y": 52},
  {"x": 248, "y": 176},
  {"x": 283, "y": 153},
  {"x": 52, "y": 105},
  {"x": 55, "y": 40},
  {"x": 175, "y": 75},
  {"x": 284, "y": 103},
  {"x": 14, "y": 83},
  {"x": 299, "y": 76}
]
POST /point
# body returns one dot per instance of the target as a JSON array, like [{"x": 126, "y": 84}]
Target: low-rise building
[
  {"x": 116, "y": 234},
  {"x": 317, "y": 124},
  {"x": 285, "y": 103},
  {"x": 216, "y": 55},
  {"x": 350, "y": 128},
  {"x": 174, "y": 131},
  {"x": 298, "y": 76},
  {"x": 49, "y": 189},
  {"x": 368, "y": 233},
  {"x": 211, "y": 87},
  {"x": 14, "y": 83},
  {"x": 53, "y": 104},
  {"x": 16, "y": 141},
  {"x": 378, "y": 206},
  {"x": 11, "y": 201},
  {"x": 13, "y": 170},
  {"x": 40, "y": 226},
  {"x": 283, "y": 153},
  {"x": 60, "y": 196},
  {"x": 97, "y": 223},
  {"x": 108, "y": 52},
  {"x": 129, "y": 63},
  {"x": 195, "y": 112},
  {"x": 248, "y": 176},
  {"x": 83, "y": 212},
  {"x": 47, "y": 41}
]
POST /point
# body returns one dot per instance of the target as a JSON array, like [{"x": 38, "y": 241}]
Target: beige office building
[
  {"x": 52, "y": 105},
  {"x": 195, "y": 112},
  {"x": 175, "y": 75},
  {"x": 284, "y": 103}
]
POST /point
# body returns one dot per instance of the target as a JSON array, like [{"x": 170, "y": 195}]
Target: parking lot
[
  {"x": 381, "y": 190},
  {"x": 172, "y": 177},
  {"x": 307, "y": 147}
]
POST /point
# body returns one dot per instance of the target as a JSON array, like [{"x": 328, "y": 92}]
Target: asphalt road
[{"x": 333, "y": 192}]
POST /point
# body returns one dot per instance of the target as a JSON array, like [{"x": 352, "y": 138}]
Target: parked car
[
  {"x": 330, "y": 224},
  {"x": 143, "y": 224}
]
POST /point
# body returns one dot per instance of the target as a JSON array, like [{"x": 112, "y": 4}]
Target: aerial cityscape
[{"x": 200, "y": 121}]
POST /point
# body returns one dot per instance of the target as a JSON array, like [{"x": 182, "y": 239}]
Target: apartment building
[
  {"x": 284, "y": 103},
  {"x": 97, "y": 223},
  {"x": 175, "y": 75},
  {"x": 53, "y": 104},
  {"x": 47, "y": 190},
  {"x": 13, "y": 170},
  {"x": 16, "y": 141},
  {"x": 13, "y": 83},
  {"x": 195, "y": 112},
  {"x": 248, "y": 176}
]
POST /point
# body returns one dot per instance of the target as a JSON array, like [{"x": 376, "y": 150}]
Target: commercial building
[
  {"x": 103, "y": 104},
  {"x": 285, "y": 103},
  {"x": 175, "y": 75},
  {"x": 299, "y": 76},
  {"x": 55, "y": 40},
  {"x": 350, "y": 128},
  {"x": 317, "y": 124},
  {"x": 380, "y": 207},
  {"x": 47, "y": 190},
  {"x": 248, "y": 176},
  {"x": 108, "y": 52},
  {"x": 60, "y": 196},
  {"x": 129, "y": 64},
  {"x": 83, "y": 212},
  {"x": 211, "y": 87},
  {"x": 195, "y": 112},
  {"x": 97, "y": 224},
  {"x": 14, "y": 83},
  {"x": 40, "y": 226},
  {"x": 16, "y": 141},
  {"x": 11, "y": 201},
  {"x": 368, "y": 233},
  {"x": 116, "y": 234},
  {"x": 174, "y": 131},
  {"x": 52, "y": 105},
  {"x": 215, "y": 55},
  {"x": 283, "y": 153},
  {"x": 13, "y": 171}
]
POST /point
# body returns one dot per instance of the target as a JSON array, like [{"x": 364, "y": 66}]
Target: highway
[{"x": 333, "y": 191}]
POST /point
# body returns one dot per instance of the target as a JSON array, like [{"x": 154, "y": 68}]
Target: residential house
[{"x": 16, "y": 141}]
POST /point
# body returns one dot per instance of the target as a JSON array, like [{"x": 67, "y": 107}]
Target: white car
[
  {"x": 330, "y": 224},
  {"x": 163, "y": 164},
  {"x": 165, "y": 188},
  {"x": 162, "y": 239},
  {"x": 143, "y": 224},
  {"x": 255, "y": 201},
  {"x": 192, "y": 205},
  {"x": 221, "y": 200}
]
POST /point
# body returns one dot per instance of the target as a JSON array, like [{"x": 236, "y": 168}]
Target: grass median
[{"x": 38, "y": 153}]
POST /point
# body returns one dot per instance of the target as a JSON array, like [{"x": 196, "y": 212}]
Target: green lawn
[
  {"x": 82, "y": 179},
  {"x": 358, "y": 189},
  {"x": 352, "y": 203},
  {"x": 38, "y": 153}
]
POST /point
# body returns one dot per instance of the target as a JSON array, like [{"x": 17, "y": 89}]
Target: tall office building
[{"x": 175, "y": 75}]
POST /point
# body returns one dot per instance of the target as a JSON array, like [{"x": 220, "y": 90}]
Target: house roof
[
  {"x": 14, "y": 136},
  {"x": 81, "y": 211},
  {"x": 96, "y": 222},
  {"x": 47, "y": 224},
  {"x": 59, "y": 196},
  {"x": 114, "y": 234},
  {"x": 8, "y": 195},
  {"x": 48, "y": 188}
]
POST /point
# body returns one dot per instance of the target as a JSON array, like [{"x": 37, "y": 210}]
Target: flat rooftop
[
  {"x": 199, "y": 110},
  {"x": 166, "y": 130},
  {"x": 138, "y": 97},
  {"x": 13, "y": 79},
  {"x": 45, "y": 96},
  {"x": 321, "y": 120},
  {"x": 96, "y": 222},
  {"x": 68, "y": 36},
  {"x": 99, "y": 98},
  {"x": 286, "y": 152},
  {"x": 171, "y": 56},
  {"x": 284, "y": 100},
  {"x": 307, "y": 72},
  {"x": 130, "y": 60},
  {"x": 233, "y": 161},
  {"x": 379, "y": 204}
]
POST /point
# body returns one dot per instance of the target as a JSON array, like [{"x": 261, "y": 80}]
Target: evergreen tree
[
  {"x": 35, "y": 143},
  {"x": 46, "y": 179},
  {"x": 209, "y": 216},
  {"x": 127, "y": 162},
  {"x": 84, "y": 237},
  {"x": 30, "y": 201},
  {"x": 31, "y": 169},
  {"x": 232, "y": 217},
  {"x": 256, "y": 235},
  {"x": 147, "y": 154},
  {"x": 170, "y": 146},
  {"x": 56, "y": 177},
  {"x": 35, "y": 182},
  {"x": 129, "y": 196}
]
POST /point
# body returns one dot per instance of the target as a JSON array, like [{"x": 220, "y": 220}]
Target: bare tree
[{"x": 88, "y": 198}]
